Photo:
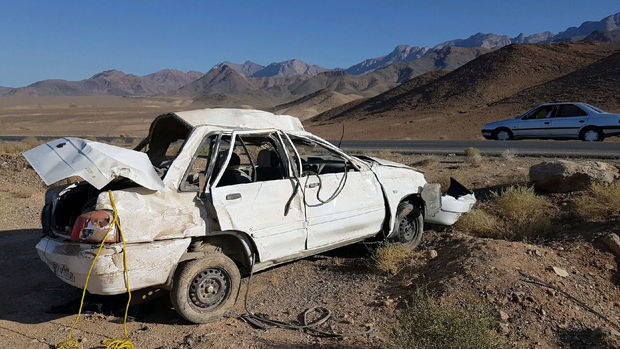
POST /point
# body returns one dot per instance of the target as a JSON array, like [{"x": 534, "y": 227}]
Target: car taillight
[{"x": 93, "y": 227}]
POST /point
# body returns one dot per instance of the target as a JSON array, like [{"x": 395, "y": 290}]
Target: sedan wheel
[
  {"x": 204, "y": 289},
  {"x": 502, "y": 135},
  {"x": 592, "y": 135}
]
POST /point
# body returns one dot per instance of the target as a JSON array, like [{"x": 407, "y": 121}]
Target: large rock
[{"x": 564, "y": 176}]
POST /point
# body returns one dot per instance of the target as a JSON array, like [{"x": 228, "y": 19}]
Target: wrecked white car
[{"x": 212, "y": 194}]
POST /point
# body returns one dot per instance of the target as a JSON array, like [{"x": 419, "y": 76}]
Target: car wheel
[
  {"x": 502, "y": 134},
  {"x": 409, "y": 225},
  {"x": 592, "y": 135},
  {"x": 204, "y": 289}
]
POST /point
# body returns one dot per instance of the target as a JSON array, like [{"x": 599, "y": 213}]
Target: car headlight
[{"x": 93, "y": 227}]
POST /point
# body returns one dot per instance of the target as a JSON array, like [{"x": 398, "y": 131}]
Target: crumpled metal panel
[
  {"x": 166, "y": 214},
  {"x": 97, "y": 163}
]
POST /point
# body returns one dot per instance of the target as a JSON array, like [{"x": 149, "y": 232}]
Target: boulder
[{"x": 562, "y": 176}]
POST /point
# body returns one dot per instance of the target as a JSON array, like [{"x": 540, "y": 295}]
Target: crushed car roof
[{"x": 239, "y": 118}]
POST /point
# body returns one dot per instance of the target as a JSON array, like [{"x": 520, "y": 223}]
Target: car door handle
[
  {"x": 546, "y": 122},
  {"x": 312, "y": 185},
  {"x": 581, "y": 121},
  {"x": 233, "y": 196}
]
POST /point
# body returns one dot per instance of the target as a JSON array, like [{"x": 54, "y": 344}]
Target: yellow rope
[{"x": 72, "y": 343}]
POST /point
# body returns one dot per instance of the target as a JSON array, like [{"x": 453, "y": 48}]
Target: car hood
[
  {"x": 384, "y": 162},
  {"x": 96, "y": 163},
  {"x": 496, "y": 124}
]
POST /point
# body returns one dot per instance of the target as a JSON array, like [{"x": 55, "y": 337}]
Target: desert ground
[{"x": 460, "y": 269}]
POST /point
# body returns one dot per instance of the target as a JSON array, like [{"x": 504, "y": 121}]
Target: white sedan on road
[{"x": 557, "y": 120}]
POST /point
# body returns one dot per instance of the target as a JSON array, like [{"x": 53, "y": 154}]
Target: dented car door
[
  {"x": 262, "y": 202},
  {"x": 344, "y": 200}
]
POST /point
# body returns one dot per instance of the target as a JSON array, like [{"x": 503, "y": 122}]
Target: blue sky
[{"x": 75, "y": 39}]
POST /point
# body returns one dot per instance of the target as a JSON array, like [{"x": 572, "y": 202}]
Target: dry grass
[
  {"x": 601, "y": 201},
  {"x": 515, "y": 213},
  {"x": 392, "y": 258},
  {"x": 8, "y": 147},
  {"x": 473, "y": 157},
  {"x": 429, "y": 323},
  {"x": 481, "y": 223}
]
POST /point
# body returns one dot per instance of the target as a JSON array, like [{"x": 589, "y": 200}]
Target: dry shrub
[
  {"x": 473, "y": 157},
  {"x": 392, "y": 258},
  {"x": 601, "y": 201},
  {"x": 525, "y": 213},
  {"x": 516, "y": 213},
  {"x": 479, "y": 222},
  {"x": 426, "y": 162},
  {"x": 429, "y": 323}
]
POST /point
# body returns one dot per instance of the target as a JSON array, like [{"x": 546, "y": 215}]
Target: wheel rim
[
  {"x": 209, "y": 288},
  {"x": 590, "y": 136},
  {"x": 407, "y": 229},
  {"x": 503, "y": 136}
]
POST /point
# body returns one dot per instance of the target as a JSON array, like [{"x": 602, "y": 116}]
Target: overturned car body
[{"x": 213, "y": 194}]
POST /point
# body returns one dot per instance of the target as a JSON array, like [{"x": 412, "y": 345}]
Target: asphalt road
[
  {"x": 542, "y": 147},
  {"x": 537, "y": 148}
]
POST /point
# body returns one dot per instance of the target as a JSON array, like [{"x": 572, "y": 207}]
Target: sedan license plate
[{"x": 62, "y": 271}]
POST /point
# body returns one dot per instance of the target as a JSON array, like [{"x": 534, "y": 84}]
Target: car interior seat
[{"x": 269, "y": 167}]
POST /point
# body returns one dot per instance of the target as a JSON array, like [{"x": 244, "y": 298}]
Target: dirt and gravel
[{"x": 581, "y": 309}]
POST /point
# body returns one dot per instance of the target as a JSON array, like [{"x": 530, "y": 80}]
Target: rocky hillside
[
  {"x": 597, "y": 83},
  {"x": 111, "y": 82},
  {"x": 487, "y": 79}
]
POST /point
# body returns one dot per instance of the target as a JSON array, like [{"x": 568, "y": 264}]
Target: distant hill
[
  {"x": 492, "y": 41},
  {"x": 293, "y": 67},
  {"x": 577, "y": 33},
  {"x": 402, "y": 53},
  {"x": 487, "y": 79},
  {"x": 363, "y": 104},
  {"x": 111, "y": 82},
  {"x": 597, "y": 83},
  {"x": 314, "y": 103},
  {"x": 612, "y": 36},
  {"x": 246, "y": 69},
  {"x": 4, "y": 90}
]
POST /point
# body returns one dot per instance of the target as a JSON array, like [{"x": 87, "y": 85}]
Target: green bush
[{"x": 428, "y": 323}]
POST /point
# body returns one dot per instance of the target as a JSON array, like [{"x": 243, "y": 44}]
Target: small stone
[
  {"x": 504, "y": 328},
  {"x": 388, "y": 302},
  {"x": 560, "y": 272},
  {"x": 431, "y": 254},
  {"x": 503, "y": 315},
  {"x": 612, "y": 241}
]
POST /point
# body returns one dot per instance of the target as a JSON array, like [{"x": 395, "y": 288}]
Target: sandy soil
[{"x": 36, "y": 308}]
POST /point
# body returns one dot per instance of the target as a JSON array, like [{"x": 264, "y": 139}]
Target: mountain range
[
  {"x": 278, "y": 84},
  {"x": 112, "y": 83}
]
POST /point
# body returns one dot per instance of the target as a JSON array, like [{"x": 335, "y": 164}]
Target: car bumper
[
  {"x": 149, "y": 264},
  {"x": 488, "y": 134}
]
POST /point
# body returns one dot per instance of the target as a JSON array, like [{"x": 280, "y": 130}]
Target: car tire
[
  {"x": 204, "y": 289},
  {"x": 591, "y": 134},
  {"x": 409, "y": 225},
  {"x": 502, "y": 134}
]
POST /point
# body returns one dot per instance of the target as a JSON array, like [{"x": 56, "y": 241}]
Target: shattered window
[
  {"x": 199, "y": 165},
  {"x": 317, "y": 159},
  {"x": 254, "y": 159}
]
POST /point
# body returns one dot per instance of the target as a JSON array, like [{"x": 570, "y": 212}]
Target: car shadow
[{"x": 32, "y": 294}]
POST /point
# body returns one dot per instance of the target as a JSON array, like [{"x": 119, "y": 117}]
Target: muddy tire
[
  {"x": 204, "y": 289},
  {"x": 409, "y": 225}
]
